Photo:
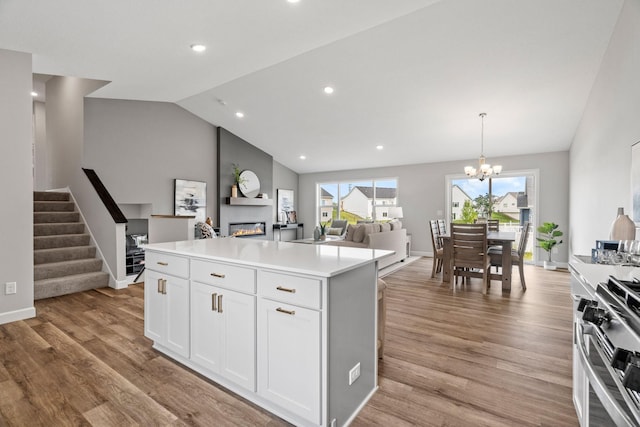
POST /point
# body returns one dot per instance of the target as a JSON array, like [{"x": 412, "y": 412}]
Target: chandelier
[{"x": 484, "y": 169}]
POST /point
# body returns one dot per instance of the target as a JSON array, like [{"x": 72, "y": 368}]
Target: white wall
[
  {"x": 16, "y": 211},
  {"x": 40, "y": 150},
  {"x": 422, "y": 189},
  {"x": 138, "y": 148},
  {"x": 601, "y": 151}
]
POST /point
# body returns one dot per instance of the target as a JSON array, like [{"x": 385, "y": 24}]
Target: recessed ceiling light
[
  {"x": 379, "y": 147},
  {"x": 239, "y": 114},
  {"x": 303, "y": 157},
  {"x": 198, "y": 48},
  {"x": 34, "y": 94},
  {"x": 293, "y": 1},
  {"x": 328, "y": 90}
]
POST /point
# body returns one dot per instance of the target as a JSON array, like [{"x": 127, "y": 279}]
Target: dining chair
[
  {"x": 517, "y": 255},
  {"x": 438, "y": 250},
  {"x": 442, "y": 227},
  {"x": 493, "y": 225},
  {"x": 469, "y": 253}
]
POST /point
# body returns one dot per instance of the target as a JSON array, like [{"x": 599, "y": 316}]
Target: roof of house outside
[
  {"x": 325, "y": 194},
  {"x": 381, "y": 192}
]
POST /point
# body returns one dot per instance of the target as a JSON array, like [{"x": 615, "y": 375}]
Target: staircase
[{"x": 64, "y": 261}]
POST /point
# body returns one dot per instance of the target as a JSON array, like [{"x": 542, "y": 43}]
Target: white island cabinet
[{"x": 287, "y": 326}]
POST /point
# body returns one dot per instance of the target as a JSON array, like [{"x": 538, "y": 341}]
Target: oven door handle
[{"x": 611, "y": 405}]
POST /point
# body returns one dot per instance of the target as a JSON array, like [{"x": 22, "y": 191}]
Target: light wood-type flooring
[{"x": 452, "y": 358}]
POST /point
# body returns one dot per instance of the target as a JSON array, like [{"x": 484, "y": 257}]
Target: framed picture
[
  {"x": 291, "y": 217},
  {"x": 285, "y": 203},
  {"x": 190, "y": 198}
]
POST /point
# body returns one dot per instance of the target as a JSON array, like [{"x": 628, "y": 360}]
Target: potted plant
[
  {"x": 323, "y": 230},
  {"x": 548, "y": 239},
  {"x": 237, "y": 180}
]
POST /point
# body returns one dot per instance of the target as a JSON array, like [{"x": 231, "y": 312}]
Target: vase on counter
[
  {"x": 234, "y": 190},
  {"x": 623, "y": 228},
  {"x": 316, "y": 233}
]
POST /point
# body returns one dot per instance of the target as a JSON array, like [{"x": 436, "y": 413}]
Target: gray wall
[
  {"x": 138, "y": 148},
  {"x": 601, "y": 151},
  {"x": 64, "y": 128},
  {"x": 235, "y": 150},
  {"x": 422, "y": 190},
  {"x": 16, "y": 213}
]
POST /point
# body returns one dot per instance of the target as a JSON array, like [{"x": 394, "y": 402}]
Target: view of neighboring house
[
  {"x": 326, "y": 205},
  {"x": 508, "y": 205},
  {"x": 458, "y": 197},
  {"x": 359, "y": 201}
]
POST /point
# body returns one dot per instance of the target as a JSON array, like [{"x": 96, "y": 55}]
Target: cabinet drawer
[
  {"x": 296, "y": 290},
  {"x": 168, "y": 264},
  {"x": 225, "y": 275}
]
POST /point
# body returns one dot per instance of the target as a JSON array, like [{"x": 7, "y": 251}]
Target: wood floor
[{"x": 452, "y": 358}]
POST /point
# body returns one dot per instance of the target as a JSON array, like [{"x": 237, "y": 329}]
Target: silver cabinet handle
[
  {"x": 213, "y": 302},
  {"x": 219, "y": 303},
  {"x": 218, "y": 275},
  {"x": 164, "y": 286},
  {"x": 291, "y": 291},
  {"x": 282, "y": 310},
  {"x": 159, "y": 286},
  {"x": 163, "y": 263}
]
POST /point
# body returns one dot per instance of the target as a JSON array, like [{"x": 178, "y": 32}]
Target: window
[
  {"x": 357, "y": 200},
  {"x": 510, "y": 198}
]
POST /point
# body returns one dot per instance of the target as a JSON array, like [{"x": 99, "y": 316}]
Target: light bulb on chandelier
[{"x": 484, "y": 169}]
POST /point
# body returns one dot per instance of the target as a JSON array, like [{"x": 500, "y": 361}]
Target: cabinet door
[
  {"x": 289, "y": 357},
  {"x": 177, "y": 315},
  {"x": 153, "y": 308},
  {"x": 237, "y": 335},
  {"x": 223, "y": 332},
  {"x": 205, "y": 326}
]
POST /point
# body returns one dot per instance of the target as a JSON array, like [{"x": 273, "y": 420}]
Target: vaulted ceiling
[{"x": 409, "y": 75}]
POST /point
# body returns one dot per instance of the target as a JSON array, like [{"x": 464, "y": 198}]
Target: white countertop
[
  {"x": 316, "y": 260},
  {"x": 597, "y": 273}
]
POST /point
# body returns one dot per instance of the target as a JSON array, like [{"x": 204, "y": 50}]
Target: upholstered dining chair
[
  {"x": 438, "y": 250},
  {"x": 469, "y": 253},
  {"x": 517, "y": 255}
]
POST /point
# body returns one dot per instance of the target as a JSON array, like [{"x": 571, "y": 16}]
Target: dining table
[{"x": 504, "y": 239}]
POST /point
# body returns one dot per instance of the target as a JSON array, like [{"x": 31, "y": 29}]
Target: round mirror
[{"x": 249, "y": 183}]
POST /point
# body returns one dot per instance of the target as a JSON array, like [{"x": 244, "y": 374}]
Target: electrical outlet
[
  {"x": 354, "y": 373},
  {"x": 10, "y": 288}
]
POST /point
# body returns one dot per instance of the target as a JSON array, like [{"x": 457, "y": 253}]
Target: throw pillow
[
  {"x": 359, "y": 234},
  {"x": 351, "y": 229},
  {"x": 395, "y": 225},
  {"x": 206, "y": 231},
  {"x": 385, "y": 227},
  {"x": 334, "y": 231},
  {"x": 369, "y": 229}
]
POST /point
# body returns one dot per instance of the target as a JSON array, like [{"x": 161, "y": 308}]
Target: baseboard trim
[
  {"x": 14, "y": 316},
  {"x": 120, "y": 284}
]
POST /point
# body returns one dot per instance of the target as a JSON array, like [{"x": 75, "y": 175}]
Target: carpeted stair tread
[
  {"x": 48, "y": 242},
  {"x": 39, "y": 196},
  {"x": 43, "y": 256},
  {"x": 55, "y": 217},
  {"x": 53, "y": 206},
  {"x": 69, "y": 284},
  {"x": 58, "y": 228},
  {"x": 66, "y": 268}
]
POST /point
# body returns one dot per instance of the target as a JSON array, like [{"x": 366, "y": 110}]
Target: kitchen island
[{"x": 289, "y": 327}]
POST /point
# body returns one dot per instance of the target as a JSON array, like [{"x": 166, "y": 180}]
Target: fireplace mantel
[{"x": 245, "y": 201}]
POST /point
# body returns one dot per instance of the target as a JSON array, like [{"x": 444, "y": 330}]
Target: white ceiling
[{"x": 411, "y": 75}]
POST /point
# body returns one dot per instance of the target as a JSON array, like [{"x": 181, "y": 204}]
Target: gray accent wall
[
  {"x": 16, "y": 213},
  {"x": 600, "y": 160},
  {"x": 422, "y": 192},
  {"x": 235, "y": 150}
]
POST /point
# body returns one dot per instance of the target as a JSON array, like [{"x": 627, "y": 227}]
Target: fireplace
[{"x": 247, "y": 229}]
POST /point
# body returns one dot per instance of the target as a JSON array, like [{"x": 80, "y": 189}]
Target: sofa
[{"x": 389, "y": 236}]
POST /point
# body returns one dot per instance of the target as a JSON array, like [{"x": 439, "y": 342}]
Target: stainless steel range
[{"x": 607, "y": 339}]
